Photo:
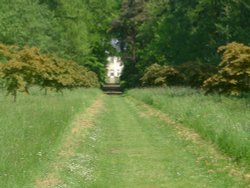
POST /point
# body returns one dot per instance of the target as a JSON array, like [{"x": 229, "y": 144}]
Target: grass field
[
  {"x": 223, "y": 120},
  {"x": 31, "y": 129},
  {"x": 128, "y": 146},
  {"x": 86, "y": 139}
]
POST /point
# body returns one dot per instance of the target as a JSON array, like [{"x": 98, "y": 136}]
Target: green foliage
[
  {"x": 157, "y": 75},
  {"x": 84, "y": 26},
  {"x": 178, "y": 32},
  {"x": 194, "y": 74},
  {"x": 26, "y": 22},
  {"x": 94, "y": 65},
  {"x": 74, "y": 30},
  {"x": 165, "y": 32},
  {"x": 233, "y": 77},
  {"x": 28, "y": 66},
  {"x": 188, "y": 74},
  {"x": 126, "y": 29}
]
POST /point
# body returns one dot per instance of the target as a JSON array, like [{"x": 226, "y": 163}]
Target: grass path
[
  {"x": 71, "y": 142},
  {"x": 132, "y": 145},
  {"x": 32, "y": 128}
]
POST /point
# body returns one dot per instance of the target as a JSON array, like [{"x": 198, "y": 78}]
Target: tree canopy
[
  {"x": 171, "y": 32},
  {"x": 74, "y": 30},
  {"x": 183, "y": 35}
]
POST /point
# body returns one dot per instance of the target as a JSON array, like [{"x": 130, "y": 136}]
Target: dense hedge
[{"x": 25, "y": 67}]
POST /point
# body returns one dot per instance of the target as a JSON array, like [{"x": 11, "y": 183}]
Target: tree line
[
  {"x": 185, "y": 35},
  {"x": 54, "y": 44},
  {"x": 186, "y": 40},
  {"x": 73, "y": 30}
]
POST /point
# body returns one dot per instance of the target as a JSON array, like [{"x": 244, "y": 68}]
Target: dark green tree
[
  {"x": 177, "y": 32},
  {"x": 84, "y": 35},
  {"x": 29, "y": 23},
  {"x": 126, "y": 29}
]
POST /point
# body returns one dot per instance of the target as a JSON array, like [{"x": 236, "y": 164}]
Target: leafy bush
[
  {"x": 194, "y": 74},
  {"x": 28, "y": 66},
  {"x": 158, "y": 75},
  {"x": 233, "y": 77}
]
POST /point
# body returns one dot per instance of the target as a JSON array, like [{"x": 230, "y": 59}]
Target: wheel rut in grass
[
  {"x": 138, "y": 146},
  {"x": 135, "y": 145},
  {"x": 213, "y": 158},
  {"x": 70, "y": 143}
]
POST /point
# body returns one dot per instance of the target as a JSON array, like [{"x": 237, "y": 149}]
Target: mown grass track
[
  {"x": 130, "y": 147},
  {"x": 113, "y": 141}
]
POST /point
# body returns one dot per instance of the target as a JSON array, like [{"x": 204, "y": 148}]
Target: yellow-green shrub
[
  {"x": 158, "y": 75},
  {"x": 28, "y": 66},
  {"x": 233, "y": 77}
]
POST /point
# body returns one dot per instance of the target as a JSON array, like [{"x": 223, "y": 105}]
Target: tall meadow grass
[
  {"x": 31, "y": 128},
  {"x": 223, "y": 120}
]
